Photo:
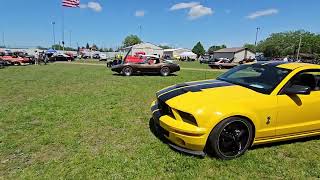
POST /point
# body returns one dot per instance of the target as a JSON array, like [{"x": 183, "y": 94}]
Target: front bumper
[{"x": 182, "y": 136}]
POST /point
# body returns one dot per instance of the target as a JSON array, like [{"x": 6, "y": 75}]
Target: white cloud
[
  {"x": 139, "y": 13},
  {"x": 93, "y": 6},
  {"x": 196, "y": 10},
  {"x": 184, "y": 5},
  {"x": 267, "y": 12},
  {"x": 199, "y": 11}
]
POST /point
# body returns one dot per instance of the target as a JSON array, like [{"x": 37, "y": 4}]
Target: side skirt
[{"x": 286, "y": 137}]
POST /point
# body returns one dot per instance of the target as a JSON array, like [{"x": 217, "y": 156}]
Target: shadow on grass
[
  {"x": 155, "y": 132},
  {"x": 144, "y": 74}
]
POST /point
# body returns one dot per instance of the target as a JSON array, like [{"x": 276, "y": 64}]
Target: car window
[
  {"x": 247, "y": 72},
  {"x": 310, "y": 78},
  {"x": 258, "y": 77}
]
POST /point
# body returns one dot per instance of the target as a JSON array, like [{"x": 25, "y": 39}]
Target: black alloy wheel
[
  {"x": 127, "y": 71},
  {"x": 165, "y": 71},
  {"x": 231, "y": 138}
]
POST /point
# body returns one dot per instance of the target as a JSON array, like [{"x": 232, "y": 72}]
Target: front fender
[{"x": 263, "y": 121}]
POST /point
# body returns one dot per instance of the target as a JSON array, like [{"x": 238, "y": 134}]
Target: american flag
[{"x": 71, "y": 3}]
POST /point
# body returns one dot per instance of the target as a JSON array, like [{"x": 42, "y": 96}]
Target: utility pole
[
  {"x": 54, "y": 34},
  {"x": 63, "y": 29},
  {"x": 140, "y": 31},
  {"x": 300, "y": 41},
  {"x": 4, "y": 45},
  {"x": 255, "y": 43},
  {"x": 70, "y": 37}
]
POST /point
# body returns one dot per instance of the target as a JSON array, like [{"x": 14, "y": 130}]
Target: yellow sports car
[{"x": 248, "y": 105}]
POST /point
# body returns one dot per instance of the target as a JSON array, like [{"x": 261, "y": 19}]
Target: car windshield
[{"x": 258, "y": 77}]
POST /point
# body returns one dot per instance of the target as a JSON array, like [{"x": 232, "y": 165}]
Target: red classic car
[
  {"x": 12, "y": 59},
  {"x": 137, "y": 58}
]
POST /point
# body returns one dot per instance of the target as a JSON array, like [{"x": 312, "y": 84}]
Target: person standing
[
  {"x": 36, "y": 58},
  {"x": 46, "y": 59}
]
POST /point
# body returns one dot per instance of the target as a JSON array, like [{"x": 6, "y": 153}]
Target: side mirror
[{"x": 297, "y": 89}]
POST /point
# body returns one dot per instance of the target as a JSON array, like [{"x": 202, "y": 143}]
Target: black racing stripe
[
  {"x": 155, "y": 107},
  {"x": 178, "y": 92},
  {"x": 184, "y": 85}
]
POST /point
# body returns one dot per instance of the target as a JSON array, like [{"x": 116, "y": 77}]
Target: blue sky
[{"x": 177, "y": 23}]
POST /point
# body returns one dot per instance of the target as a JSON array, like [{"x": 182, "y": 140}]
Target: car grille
[{"x": 165, "y": 109}]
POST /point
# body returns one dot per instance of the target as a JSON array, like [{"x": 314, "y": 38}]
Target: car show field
[{"x": 84, "y": 121}]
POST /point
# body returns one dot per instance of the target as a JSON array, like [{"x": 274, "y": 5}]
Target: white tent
[{"x": 188, "y": 54}]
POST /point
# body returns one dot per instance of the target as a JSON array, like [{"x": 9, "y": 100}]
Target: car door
[
  {"x": 148, "y": 66},
  {"x": 299, "y": 114}
]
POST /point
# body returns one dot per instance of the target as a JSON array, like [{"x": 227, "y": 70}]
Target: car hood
[{"x": 210, "y": 94}]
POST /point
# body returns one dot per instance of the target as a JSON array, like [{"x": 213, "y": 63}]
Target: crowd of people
[{"x": 40, "y": 57}]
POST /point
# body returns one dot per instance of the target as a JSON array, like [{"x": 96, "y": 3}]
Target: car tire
[
  {"x": 230, "y": 138},
  {"x": 165, "y": 71},
  {"x": 127, "y": 71}
]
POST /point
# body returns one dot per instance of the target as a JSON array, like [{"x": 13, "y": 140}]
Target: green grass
[
  {"x": 194, "y": 64},
  {"x": 93, "y": 61},
  {"x": 183, "y": 64},
  {"x": 81, "y": 122}
]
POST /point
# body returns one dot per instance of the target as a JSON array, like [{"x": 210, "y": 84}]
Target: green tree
[
  {"x": 87, "y": 46},
  {"x": 41, "y": 48},
  {"x": 198, "y": 50},
  {"x": 59, "y": 47},
  {"x": 251, "y": 47},
  {"x": 165, "y": 47},
  {"x": 287, "y": 43},
  {"x": 215, "y": 48},
  {"x": 131, "y": 40},
  {"x": 94, "y": 47}
]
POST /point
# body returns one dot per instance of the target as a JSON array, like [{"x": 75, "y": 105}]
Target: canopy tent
[
  {"x": 51, "y": 51},
  {"x": 188, "y": 54}
]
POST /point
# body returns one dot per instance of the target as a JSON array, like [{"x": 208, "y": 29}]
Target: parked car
[
  {"x": 11, "y": 59},
  {"x": 85, "y": 56},
  {"x": 206, "y": 59},
  {"x": 96, "y": 56},
  {"x": 137, "y": 58},
  {"x": 222, "y": 64},
  {"x": 60, "y": 57},
  {"x": 248, "y": 105},
  {"x": 103, "y": 57},
  {"x": 150, "y": 64}
]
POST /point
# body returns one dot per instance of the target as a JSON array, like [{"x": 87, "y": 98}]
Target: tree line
[
  {"x": 276, "y": 45},
  {"x": 287, "y": 44}
]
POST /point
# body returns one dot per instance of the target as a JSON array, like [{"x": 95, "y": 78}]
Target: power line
[
  {"x": 54, "y": 34},
  {"x": 70, "y": 38},
  {"x": 4, "y": 45}
]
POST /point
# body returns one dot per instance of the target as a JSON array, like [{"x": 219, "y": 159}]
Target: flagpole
[{"x": 62, "y": 28}]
